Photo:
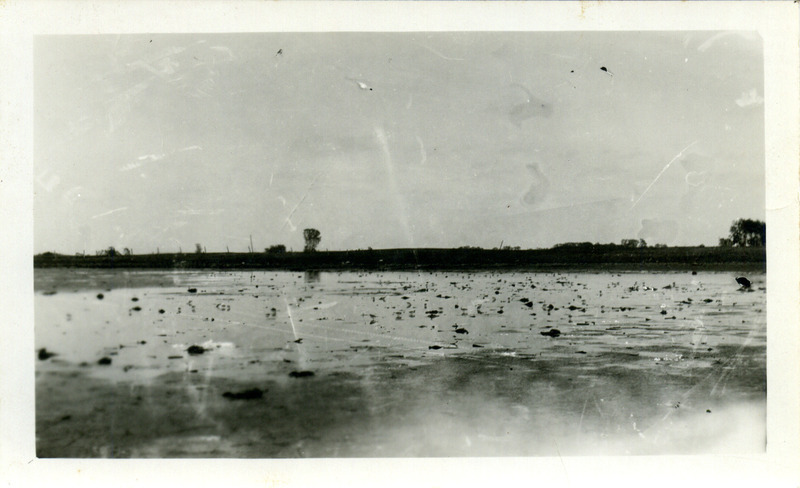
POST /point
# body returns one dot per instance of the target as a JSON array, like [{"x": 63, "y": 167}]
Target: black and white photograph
[{"x": 348, "y": 244}]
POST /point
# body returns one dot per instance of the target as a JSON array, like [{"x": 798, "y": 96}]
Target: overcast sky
[{"x": 395, "y": 140}]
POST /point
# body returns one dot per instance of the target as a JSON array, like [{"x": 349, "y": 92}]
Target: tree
[
  {"x": 198, "y": 249},
  {"x": 276, "y": 249},
  {"x": 312, "y": 237},
  {"x": 747, "y": 233}
]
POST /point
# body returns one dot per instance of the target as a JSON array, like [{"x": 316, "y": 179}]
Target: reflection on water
[
  {"x": 399, "y": 364},
  {"x": 311, "y": 276}
]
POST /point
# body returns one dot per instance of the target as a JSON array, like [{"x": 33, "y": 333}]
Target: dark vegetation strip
[{"x": 589, "y": 258}]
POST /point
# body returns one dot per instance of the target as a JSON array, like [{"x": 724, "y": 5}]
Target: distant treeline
[{"x": 567, "y": 256}]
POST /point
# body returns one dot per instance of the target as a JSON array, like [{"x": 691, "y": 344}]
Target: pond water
[{"x": 398, "y": 364}]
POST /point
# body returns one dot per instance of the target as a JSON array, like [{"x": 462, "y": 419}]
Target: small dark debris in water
[
  {"x": 708, "y": 300},
  {"x": 580, "y": 352},
  {"x": 708, "y": 411},
  {"x": 66, "y": 417},
  {"x": 743, "y": 281},
  {"x": 136, "y": 308},
  {"x": 251, "y": 394},
  {"x": 192, "y": 290},
  {"x": 193, "y": 371},
  {"x": 44, "y": 354},
  {"x": 552, "y": 333},
  {"x": 299, "y": 341},
  {"x": 462, "y": 330},
  {"x": 434, "y": 347},
  {"x": 476, "y": 345},
  {"x": 48, "y": 293},
  {"x": 99, "y": 296},
  {"x": 529, "y": 304},
  {"x": 694, "y": 272},
  {"x": 126, "y": 368},
  {"x": 142, "y": 342},
  {"x": 301, "y": 374},
  {"x": 104, "y": 361},
  {"x": 83, "y": 364},
  {"x": 174, "y": 357},
  {"x": 134, "y": 299},
  {"x": 663, "y": 312},
  {"x": 196, "y": 350},
  {"x": 160, "y": 310}
]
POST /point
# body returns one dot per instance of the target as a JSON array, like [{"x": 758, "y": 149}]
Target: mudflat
[{"x": 281, "y": 364}]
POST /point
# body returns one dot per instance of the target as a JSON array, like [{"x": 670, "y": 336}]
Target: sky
[{"x": 391, "y": 140}]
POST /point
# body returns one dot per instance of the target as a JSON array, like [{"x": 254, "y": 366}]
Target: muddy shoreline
[{"x": 378, "y": 413}]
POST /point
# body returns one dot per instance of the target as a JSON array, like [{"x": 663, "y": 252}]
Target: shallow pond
[{"x": 397, "y": 363}]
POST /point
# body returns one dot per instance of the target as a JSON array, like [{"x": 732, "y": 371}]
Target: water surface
[{"x": 398, "y": 363}]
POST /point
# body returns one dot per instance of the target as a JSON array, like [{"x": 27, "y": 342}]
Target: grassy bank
[{"x": 584, "y": 258}]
